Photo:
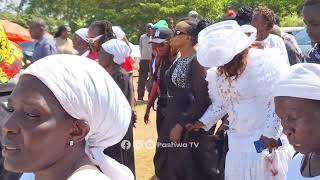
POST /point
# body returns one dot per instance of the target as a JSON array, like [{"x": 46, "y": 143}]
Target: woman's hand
[
  {"x": 222, "y": 129},
  {"x": 176, "y": 133},
  {"x": 146, "y": 116},
  {"x": 134, "y": 117},
  {"x": 196, "y": 126},
  {"x": 270, "y": 143}
]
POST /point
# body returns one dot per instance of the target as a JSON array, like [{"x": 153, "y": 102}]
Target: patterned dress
[{"x": 187, "y": 100}]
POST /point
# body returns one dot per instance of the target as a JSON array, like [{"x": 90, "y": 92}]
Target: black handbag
[{"x": 210, "y": 154}]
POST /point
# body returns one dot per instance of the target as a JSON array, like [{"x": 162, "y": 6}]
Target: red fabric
[
  {"x": 93, "y": 55},
  {"x": 231, "y": 12},
  {"x": 128, "y": 64}
]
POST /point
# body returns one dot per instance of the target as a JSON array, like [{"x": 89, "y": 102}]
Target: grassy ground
[{"x": 145, "y": 137}]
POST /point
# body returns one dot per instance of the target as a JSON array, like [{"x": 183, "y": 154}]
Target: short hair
[
  {"x": 39, "y": 22},
  {"x": 267, "y": 13},
  {"x": 311, "y": 2}
]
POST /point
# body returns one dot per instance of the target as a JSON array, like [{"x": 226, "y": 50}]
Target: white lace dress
[{"x": 249, "y": 103}]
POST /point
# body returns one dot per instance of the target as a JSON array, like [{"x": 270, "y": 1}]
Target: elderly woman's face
[
  {"x": 300, "y": 119},
  {"x": 37, "y": 131},
  {"x": 79, "y": 44},
  {"x": 105, "y": 59}
]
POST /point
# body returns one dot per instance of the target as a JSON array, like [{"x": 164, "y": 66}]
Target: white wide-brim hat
[{"x": 221, "y": 42}]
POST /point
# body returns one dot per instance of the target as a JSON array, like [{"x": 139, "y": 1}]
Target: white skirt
[{"x": 241, "y": 165}]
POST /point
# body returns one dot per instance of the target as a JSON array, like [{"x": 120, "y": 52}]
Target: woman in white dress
[
  {"x": 241, "y": 79},
  {"x": 61, "y": 119},
  {"x": 297, "y": 102}
]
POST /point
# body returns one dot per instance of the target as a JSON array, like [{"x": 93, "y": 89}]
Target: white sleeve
[
  {"x": 27, "y": 176},
  {"x": 273, "y": 128},
  {"x": 212, "y": 115}
]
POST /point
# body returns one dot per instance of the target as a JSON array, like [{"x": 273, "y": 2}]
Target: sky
[{"x": 4, "y": 3}]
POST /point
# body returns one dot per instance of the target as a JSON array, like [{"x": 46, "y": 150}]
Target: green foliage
[
  {"x": 292, "y": 21},
  {"x": 132, "y": 15}
]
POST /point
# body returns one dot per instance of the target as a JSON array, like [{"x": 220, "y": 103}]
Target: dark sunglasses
[{"x": 178, "y": 33}]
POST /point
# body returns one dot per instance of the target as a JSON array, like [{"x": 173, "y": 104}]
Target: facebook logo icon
[{"x": 125, "y": 144}]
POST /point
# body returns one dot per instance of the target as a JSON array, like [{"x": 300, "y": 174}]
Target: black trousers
[{"x": 143, "y": 77}]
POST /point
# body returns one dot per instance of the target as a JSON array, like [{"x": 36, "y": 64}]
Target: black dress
[
  {"x": 123, "y": 156},
  {"x": 187, "y": 100},
  {"x": 159, "y": 77}
]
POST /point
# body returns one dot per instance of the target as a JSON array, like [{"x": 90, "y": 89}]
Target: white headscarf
[
  {"x": 119, "y": 49},
  {"x": 87, "y": 92},
  {"x": 302, "y": 81},
  {"x": 220, "y": 42},
  {"x": 120, "y": 34},
  {"x": 82, "y": 33}
]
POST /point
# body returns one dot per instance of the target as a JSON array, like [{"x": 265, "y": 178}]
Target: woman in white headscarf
[
  {"x": 297, "y": 102},
  {"x": 80, "y": 42},
  {"x": 241, "y": 81},
  {"x": 112, "y": 55},
  {"x": 61, "y": 119}
]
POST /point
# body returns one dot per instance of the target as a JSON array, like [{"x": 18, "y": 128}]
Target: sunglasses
[
  {"x": 92, "y": 40},
  {"x": 178, "y": 33}
]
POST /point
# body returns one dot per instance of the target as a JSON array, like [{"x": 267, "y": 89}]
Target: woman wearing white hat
[
  {"x": 61, "y": 119},
  {"x": 241, "y": 81},
  {"x": 111, "y": 56},
  {"x": 80, "y": 42},
  {"x": 297, "y": 101}
]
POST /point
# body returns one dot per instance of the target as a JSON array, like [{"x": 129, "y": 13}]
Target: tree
[{"x": 132, "y": 15}]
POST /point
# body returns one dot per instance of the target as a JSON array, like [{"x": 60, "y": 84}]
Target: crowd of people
[{"x": 234, "y": 99}]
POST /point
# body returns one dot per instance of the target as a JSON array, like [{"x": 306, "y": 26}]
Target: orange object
[{"x": 15, "y": 32}]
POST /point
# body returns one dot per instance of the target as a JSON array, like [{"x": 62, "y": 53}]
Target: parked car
[
  {"x": 292, "y": 30},
  {"x": 304, "y": 41},
  {"x": 27, "y": 49}
]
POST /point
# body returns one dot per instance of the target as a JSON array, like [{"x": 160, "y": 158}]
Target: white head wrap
[
  {"x": 120, "y": 34},
  {"x": 82, "y": 33},
  {"x": 302, "y": 81},
  {"x": 119, "y": 49},
  {"x": 87, "y": 92},
  {"x": 220, "y": 42}
]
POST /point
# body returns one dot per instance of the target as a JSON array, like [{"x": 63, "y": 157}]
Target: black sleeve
[{"x": 201, "y": 100}]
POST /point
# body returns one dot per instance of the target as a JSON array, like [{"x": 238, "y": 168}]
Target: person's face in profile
[
  {"x": 311, "y": 17},
  {"x": 105, "y": 59},
  {"x": 36, "y": 31},
  {"x": 300, "y": 119},
  {"x": 79, "y": 44},
  {"x": 94, "y": 38},
  {"x": 181, "y": 37},
  {"x": 37, "y": 130}
]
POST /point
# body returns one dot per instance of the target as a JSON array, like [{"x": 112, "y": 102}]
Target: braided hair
[
  {"x": 105, "y": 29},
  {"x": 244, "y": 16},
  {"x": 195, "y": 28}
]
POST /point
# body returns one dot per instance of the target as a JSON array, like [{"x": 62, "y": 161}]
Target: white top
[
  {"x": 274, "y": 41},
  {"x": 145, "y": 47},
  {"x": 248, "y": 100},
  {"x": 294, "y": 170},
  {"x": 85, "y": 174}
]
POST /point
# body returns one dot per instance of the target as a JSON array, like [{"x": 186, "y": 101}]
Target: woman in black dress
[
  {"x": 164, "y": 59},
  {"x": 187, "y": 100},
  {"x": 111, "y": 56}
]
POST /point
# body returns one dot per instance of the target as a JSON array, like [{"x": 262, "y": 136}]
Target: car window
[{"x": 303, "y": 38}]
